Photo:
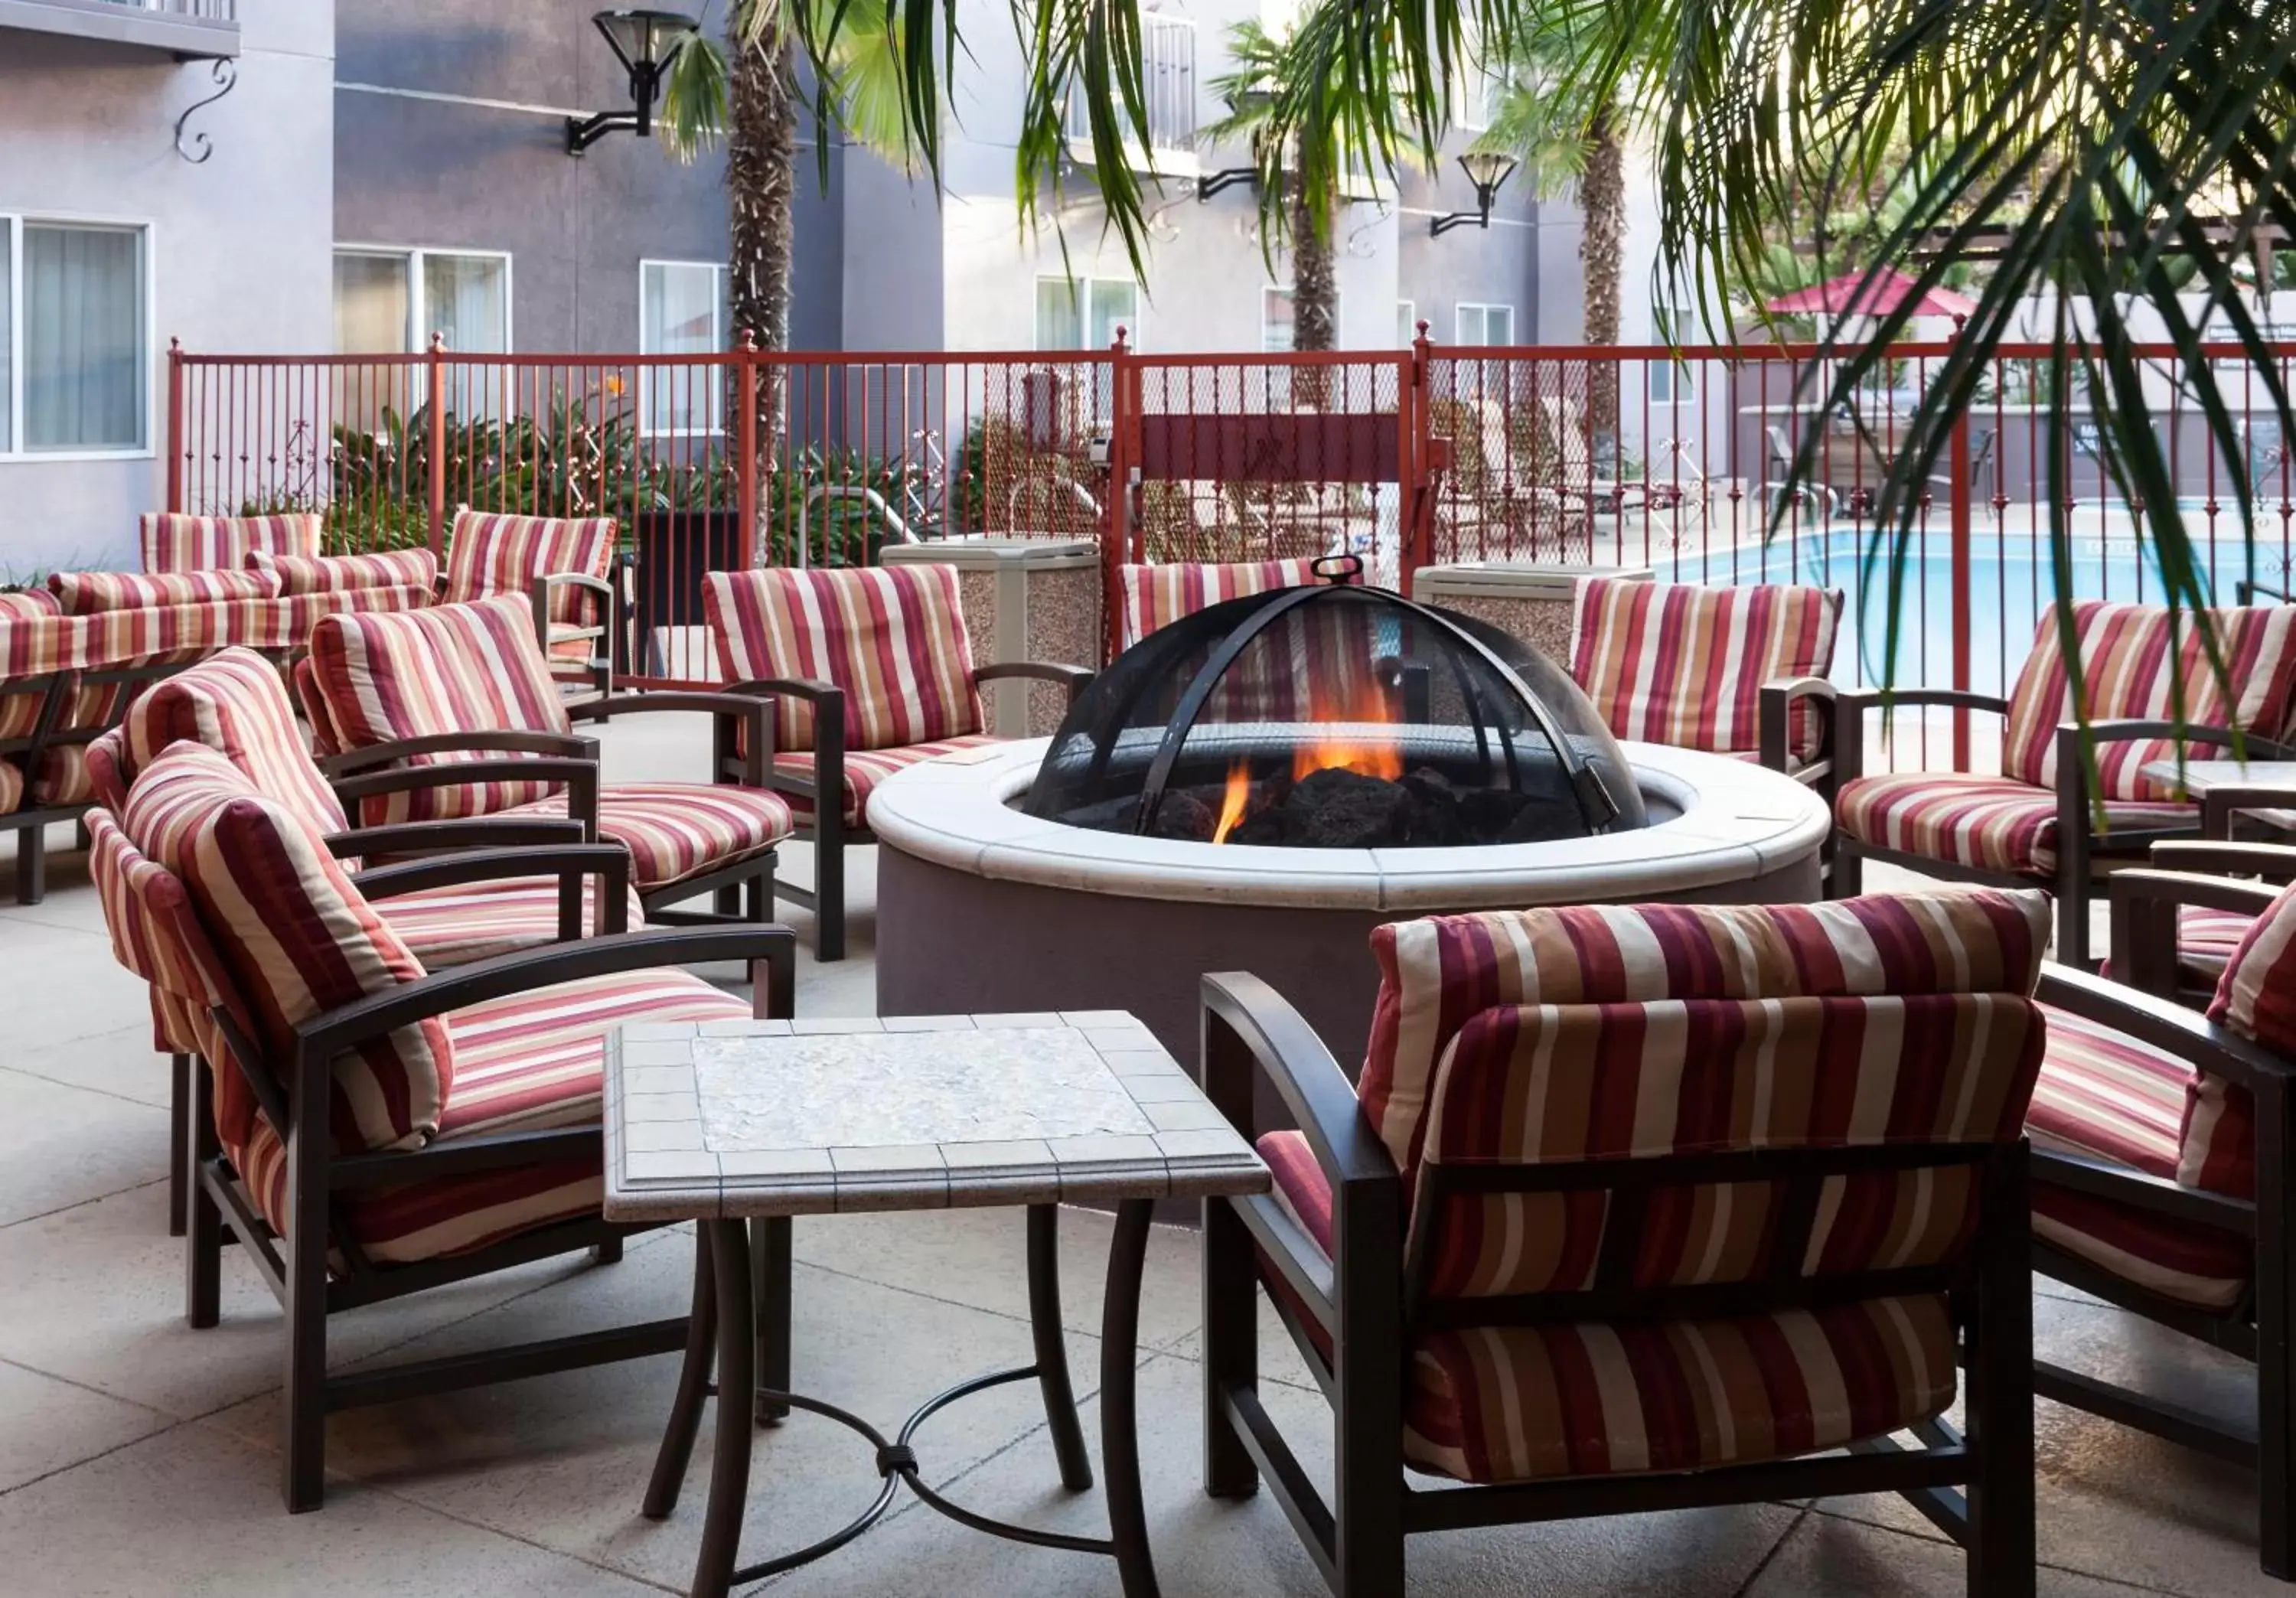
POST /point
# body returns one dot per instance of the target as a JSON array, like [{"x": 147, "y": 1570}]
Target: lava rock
[
  {"x": 1183, "y": 817},
  {"x": 1435, "y": 818},
  {"x": 1484, "y": 813},
  {"x": 1542, "y": 819},
  {"x": 1335, "y": 808}
]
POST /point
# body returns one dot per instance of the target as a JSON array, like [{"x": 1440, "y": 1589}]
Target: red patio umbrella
[{"x": 1871, "y": 294}]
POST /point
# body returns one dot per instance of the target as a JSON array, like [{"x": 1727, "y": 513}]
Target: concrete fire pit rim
[{"x": 1737, "y": 820}]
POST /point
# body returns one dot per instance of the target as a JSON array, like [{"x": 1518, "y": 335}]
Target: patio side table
[
  {"x": 2223, "y": 787},
  {"x": 735, "y": 1122}
]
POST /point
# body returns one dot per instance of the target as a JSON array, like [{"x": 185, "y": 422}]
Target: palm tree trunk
[
  {"x": 761, "y": 187},
  {"x": 1602, "y": 253},
  {"x": 1315, "y": 296}
]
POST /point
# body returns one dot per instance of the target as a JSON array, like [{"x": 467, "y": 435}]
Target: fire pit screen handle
[{"x": 1339, "y": 570}]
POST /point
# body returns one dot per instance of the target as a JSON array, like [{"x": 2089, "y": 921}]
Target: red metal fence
[{"x": 1673, "y": 459}]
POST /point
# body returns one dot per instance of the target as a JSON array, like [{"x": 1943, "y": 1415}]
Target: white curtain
[
  {"x": 83, "y": 337},
  {"x": 7, "y": 339},
  {"x": 467, "y": 297},
  {"x": 678, "y": 315}
]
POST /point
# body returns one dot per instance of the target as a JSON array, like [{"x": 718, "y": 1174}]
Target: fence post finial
[
  {"x": 1123, "y": 338},
  {"x": 746, "y": 341},
  {"x": 438, "y": 343}
]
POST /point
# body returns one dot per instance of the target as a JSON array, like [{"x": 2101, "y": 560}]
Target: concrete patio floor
[{"x": 137, "y": 1456}]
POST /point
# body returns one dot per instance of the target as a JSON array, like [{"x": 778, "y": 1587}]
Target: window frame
[
  {"x": 721, "y": 313},
  {"x": 1483, "y": 308},
  {"x": 418, "y": 337},
  {"x": 13, "y": 224},
  {"x": 1407, "y": 321},
  {"x": 1086, "y": 285}
]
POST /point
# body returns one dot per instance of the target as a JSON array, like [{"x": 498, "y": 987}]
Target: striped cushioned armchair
[
  {"x": 362, "y": 1156},
  {"x": 2163, "y": 1144},
  {"x": 869, "y": 670},
  {"x": 1638, "y": 1207},
  {"x": 562, "y": 566},
  {"x": 2032, "y": 823}
]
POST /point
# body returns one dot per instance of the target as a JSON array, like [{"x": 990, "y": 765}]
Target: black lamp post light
[
  {"x": 1487, "y": 170},
  {"x": 1252, "y": 101},
  {"x": 645, "y": 42}
]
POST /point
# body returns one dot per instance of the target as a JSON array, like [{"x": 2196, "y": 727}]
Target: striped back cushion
[
  {"x": 91, "y": 593},
  {"x": 337, "y": 574},
  {"x": 1676, "y": 664},
  {"x": 1156, "y": 596},
  {"x": 1538, "y": 1083},
  {"x": 178, "y": 543},
  {"x": 2256, "y": 997},
  {"x": 28, "y": 604},
  {"x": 156, "y": 935},
  {"x": 235, "y": 704},
  {"x": 296, "y": 937},
  {"x": 451, "y": 668},
  {"x": 314, "y": 706},
  {"x": 108, "y": 768},
  {"x": 892, "y": 637},
  {"x": 491, "y": 554},
  {"x": 1438, "y": 974},
  {"x": 2131, "y": 659}
]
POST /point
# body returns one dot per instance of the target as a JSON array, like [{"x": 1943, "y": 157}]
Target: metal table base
[{"x": 724, "y": 1302}]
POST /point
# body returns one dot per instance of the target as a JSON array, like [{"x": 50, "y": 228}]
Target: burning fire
[
  {"x": 1365, "y": 705},
  {"x": 1239, "y": 795}
]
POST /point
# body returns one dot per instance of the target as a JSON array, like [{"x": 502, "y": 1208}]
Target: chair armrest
[
  {"x": 580, "y": 777},
  {"x": 324, "y": 1036},
  {"x": 443, "y": 837},
  {"x": 731, "y": 714},
  {"x": 2144, "y": 932},
  {"x": 1858, "y": 701},
  {"x": 1776, "y": 702},
  {"x": 2167, "y": 1027},
  {"x": 502, "y": 740},
  {"x": 2193, "y": 888},
  {"x": 1075, "y": 679},
  {"x": 811, "y": 689},
  {"x": 2272, "y": 862},
  {"x": 569, "y": 864},
  {"x": 2129, "y": 729},
  {"x": 2158, "y": 1195},
  {"x": 1247, "y": 1024},
  {"x": 462, "y": 1156},
  {"x": 828, "y": 703}
]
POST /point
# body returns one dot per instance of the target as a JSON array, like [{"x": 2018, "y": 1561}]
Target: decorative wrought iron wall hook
[{"x": 201, "y": 147}]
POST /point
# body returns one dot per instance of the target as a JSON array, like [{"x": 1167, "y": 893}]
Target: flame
[
  {"x": 1364, "y": 704},
  {"x": 1239, "y": 795}
]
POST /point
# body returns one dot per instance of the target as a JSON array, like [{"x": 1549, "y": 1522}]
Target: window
[
  {"x": 390, "y": 301},
  {"x": 1084, "y": 313},
  {"x": 681, "y": 311},
  {"x": 74, "y": 337},
  {"x": 1406, "y": 322},
  {"x": 1672, "y": 382},
  {"x": 1481, "y": 326}
]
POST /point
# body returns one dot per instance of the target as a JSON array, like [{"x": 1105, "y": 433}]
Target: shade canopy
[{"x": 1874, "y": 293}]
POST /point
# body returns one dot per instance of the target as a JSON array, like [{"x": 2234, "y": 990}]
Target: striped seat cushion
[
  {"x": 528, "y": 1063},
  {"x": 893, "y": 638},
  {"x": 865, "y": 769},
  {"x": 87, "y": 592},
  {"x": 675, "y": 831},
  {"x": 451, "y": 668},
  {"x": 489, "y": 553},
  {"x": 295, "y": 935},
  {"x": 1677, "y": 664},
  {"x": 2133, "y": 660},
  {"x": 457, "y": 926},
  {"x": 1986, "y": 823},
  {"x": 28, "y": 604},
  {"x": 235, "y": 704},
  {"x": 172, "y": 542},
  {"x": 336, "y": 574},
  {"x": 1156, "y": 596},
  {"x": 11, "y": 788},
  {"x": 1518, "y": 1404},
  {"x": 2206, "y": 939},
  {"x": 62, "y": 777},
  {"x": 2110, "y": 1097},
  {"x": 85, "y": 705}
]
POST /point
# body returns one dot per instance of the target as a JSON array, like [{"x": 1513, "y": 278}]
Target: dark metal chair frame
[
  {"x": 293, "y": 1096},
  {"x": 2084, "y": 858},
  {"x": 828, "y": 830},
  {"x": 1369, "y": 1307},
  {"x": 2262, "y": 1328},
  {"x": 741, "y": 892},
  {"x": 57, "y": 690}
]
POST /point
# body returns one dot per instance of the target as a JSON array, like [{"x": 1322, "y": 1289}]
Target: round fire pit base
[{"x": 983, "y": 909}]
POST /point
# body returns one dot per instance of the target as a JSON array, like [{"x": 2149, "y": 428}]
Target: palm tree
[{"x": 1263, "y": 64}]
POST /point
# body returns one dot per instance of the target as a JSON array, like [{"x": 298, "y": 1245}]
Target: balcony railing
[
  {"x": 1168, "y": 72},
  {"x": 190, "y": 29}
]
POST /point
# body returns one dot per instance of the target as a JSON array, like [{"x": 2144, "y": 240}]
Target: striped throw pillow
[
  {"x": 450, "y": 668},
  {"x": 338, "y": 574},
  {"x": 296, "y": 937},
  {"x": 1677, "y": 664},
  {"x": 28, "y": 604},
  {"x": 173, "y": 542},
  {"x": 2132, "y": 658},
  {"x": 2255, "y": 997},
  {"x": 93, "y": 593},
  {"x": 892, "y": 637},
  {"x": 235, "y": 704}
]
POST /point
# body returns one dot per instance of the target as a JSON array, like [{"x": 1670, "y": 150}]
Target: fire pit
[{"x": 1259, "y": 785}]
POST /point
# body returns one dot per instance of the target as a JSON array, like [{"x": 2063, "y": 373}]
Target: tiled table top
[
  {"x": 2200, "y": 776},
  {"x": 733, "y": 1118}
]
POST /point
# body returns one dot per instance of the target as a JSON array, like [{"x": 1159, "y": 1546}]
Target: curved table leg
[
  {"x": 1120, "y": 1433},
  {"x": 692, "y": 1390},
  {"x": 729, "y": 1464},
  {"x": 1052, "y": 1347},
  {"x": 770, "y": 1266}
]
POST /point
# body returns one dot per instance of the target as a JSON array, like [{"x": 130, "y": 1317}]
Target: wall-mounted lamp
[
  {"x": 645, "y": 42},
  {"x": 1251, "y": 102},
  {"x": 1487, "y": 170}
]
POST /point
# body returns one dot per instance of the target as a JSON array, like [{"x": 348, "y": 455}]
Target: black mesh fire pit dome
[{"x": 1336, "y": 717}]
